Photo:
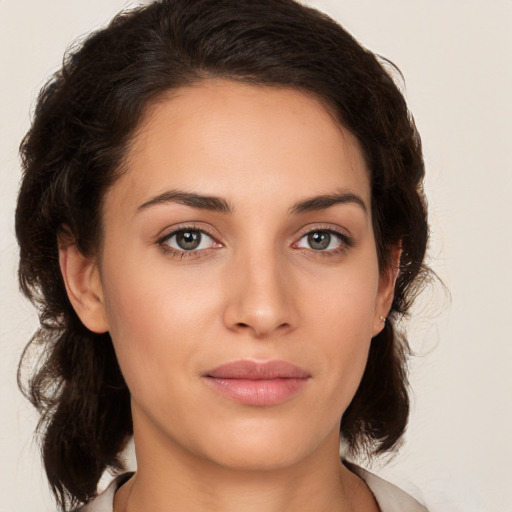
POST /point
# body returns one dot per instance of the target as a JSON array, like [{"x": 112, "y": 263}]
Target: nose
[{"x": 260, "y": 297}]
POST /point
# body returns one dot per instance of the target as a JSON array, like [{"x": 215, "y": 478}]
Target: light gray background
[{"x": 456, "y": 58}]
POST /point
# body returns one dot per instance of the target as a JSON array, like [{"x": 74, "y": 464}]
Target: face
[{"x": 238, "y": 275}]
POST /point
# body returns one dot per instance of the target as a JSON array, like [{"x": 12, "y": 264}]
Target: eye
[
  {"x": 323, "y": 240},
  {"x": 188, "y": 240}
]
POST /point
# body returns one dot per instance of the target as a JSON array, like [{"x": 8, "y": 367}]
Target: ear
[
  {"x": 83, "y": 285},
  {"x": 386, "y": 291}
]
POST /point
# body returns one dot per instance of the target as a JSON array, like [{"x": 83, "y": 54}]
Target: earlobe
[
  {"x": 386, "y": 291},
  {"x": 83, "y": 286}
]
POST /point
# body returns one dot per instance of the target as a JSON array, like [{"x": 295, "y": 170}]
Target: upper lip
[{"x": 254, "y": 370}]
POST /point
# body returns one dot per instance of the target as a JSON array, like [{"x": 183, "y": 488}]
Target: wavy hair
[{"x": 82, "y": 126}]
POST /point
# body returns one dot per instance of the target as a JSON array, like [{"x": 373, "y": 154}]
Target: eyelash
[
  {"x": 184, "y": 254},
  {"x": 345, "y": 243}
]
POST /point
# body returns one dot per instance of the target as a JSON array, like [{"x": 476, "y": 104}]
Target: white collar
[{"x": 389, "y": 497}]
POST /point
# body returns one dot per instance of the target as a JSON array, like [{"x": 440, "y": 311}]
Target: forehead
[{"x": 239, "y": 141}]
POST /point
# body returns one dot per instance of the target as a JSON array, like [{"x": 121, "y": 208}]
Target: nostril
[
  {"x": 258, "y": 314},
  {"x": 261, "y": 330}
]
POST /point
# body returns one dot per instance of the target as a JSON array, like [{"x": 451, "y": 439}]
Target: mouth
[{"x": 257, "y": 383}]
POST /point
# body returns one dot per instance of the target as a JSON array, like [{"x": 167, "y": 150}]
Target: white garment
[{"x": 389, "y": 497}]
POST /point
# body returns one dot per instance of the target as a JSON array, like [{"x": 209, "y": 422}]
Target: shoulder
[
  {"x": 390, "y": 498},
  {"x": 104, "y": 502}
]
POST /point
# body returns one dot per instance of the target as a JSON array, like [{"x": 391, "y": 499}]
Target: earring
[{"x": 382, "y": 319}]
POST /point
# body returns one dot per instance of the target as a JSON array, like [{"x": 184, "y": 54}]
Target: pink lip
[{"x": 253, "y": 383}]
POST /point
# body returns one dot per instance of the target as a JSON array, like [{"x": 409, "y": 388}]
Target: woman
[{"x": 221, "y": 218}]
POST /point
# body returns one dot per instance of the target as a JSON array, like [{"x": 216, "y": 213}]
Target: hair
[{"x": 84, "y": 120}]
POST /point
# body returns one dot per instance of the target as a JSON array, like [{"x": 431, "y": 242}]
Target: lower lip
[{"x": 257, "y": 392}]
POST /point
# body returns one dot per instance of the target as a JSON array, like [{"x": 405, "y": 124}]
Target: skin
[{"x": 255, "y": 289}]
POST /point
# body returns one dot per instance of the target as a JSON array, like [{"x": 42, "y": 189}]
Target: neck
[{"x": 170, "y": 478}]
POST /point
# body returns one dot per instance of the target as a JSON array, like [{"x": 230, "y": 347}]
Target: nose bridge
[{"x": 259, "y": 300}]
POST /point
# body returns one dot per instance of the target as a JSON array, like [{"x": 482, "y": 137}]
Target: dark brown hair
[{"x": 83, "y": 122}]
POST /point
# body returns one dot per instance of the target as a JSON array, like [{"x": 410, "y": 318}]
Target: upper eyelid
[
  {"x": 346, "y": 239},
  {"x": 192, "y": 226},
  {"x": 311, "y": 228},
  {"x": 212, "y": 233},
  {"x": 162, "y": 243},
  {"x": 342, "y": 236}
]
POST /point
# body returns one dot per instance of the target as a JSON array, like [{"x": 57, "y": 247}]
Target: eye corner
[
  {"x": 187, "y": 241},
  {"x": 329, "y": 241}
]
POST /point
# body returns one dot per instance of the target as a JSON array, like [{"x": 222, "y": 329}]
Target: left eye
[
  {"x": 321, "y": 240},
  {"x": 189, "y": 240}
]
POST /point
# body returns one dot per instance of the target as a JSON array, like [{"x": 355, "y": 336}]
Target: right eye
[{"x": 188, "y": 240}]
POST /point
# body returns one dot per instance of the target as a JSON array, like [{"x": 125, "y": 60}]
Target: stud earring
[{"x": 382, "y": 319}]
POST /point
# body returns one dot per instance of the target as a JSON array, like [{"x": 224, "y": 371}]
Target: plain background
[{"x": 456, "y": 58}]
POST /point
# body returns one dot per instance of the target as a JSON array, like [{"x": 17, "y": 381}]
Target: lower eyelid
[
  {"x": 163, "y": 240},
  {"x": 344, "y": 240},
  {"x": 203, "y": 234}
]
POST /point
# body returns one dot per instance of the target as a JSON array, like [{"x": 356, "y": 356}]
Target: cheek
[
  {"x": 342, "y": 303},
  {"x": 153, "y": 323},
  {"x": 145, "y": 300},
  {"x": 340, "y": 320},
  {"x": 163, "y": 322}
]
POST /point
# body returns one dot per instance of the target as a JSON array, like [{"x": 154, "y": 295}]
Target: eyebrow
[
  {"x": 326, "y": 201},
  {"x": 211, "y": 203},
  {"x": 218, "y": 204}
]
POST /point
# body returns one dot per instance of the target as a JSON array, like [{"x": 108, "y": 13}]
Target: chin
[
  {"x": 255, "y": 457},
  {"x": 265, "y": 446}
]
